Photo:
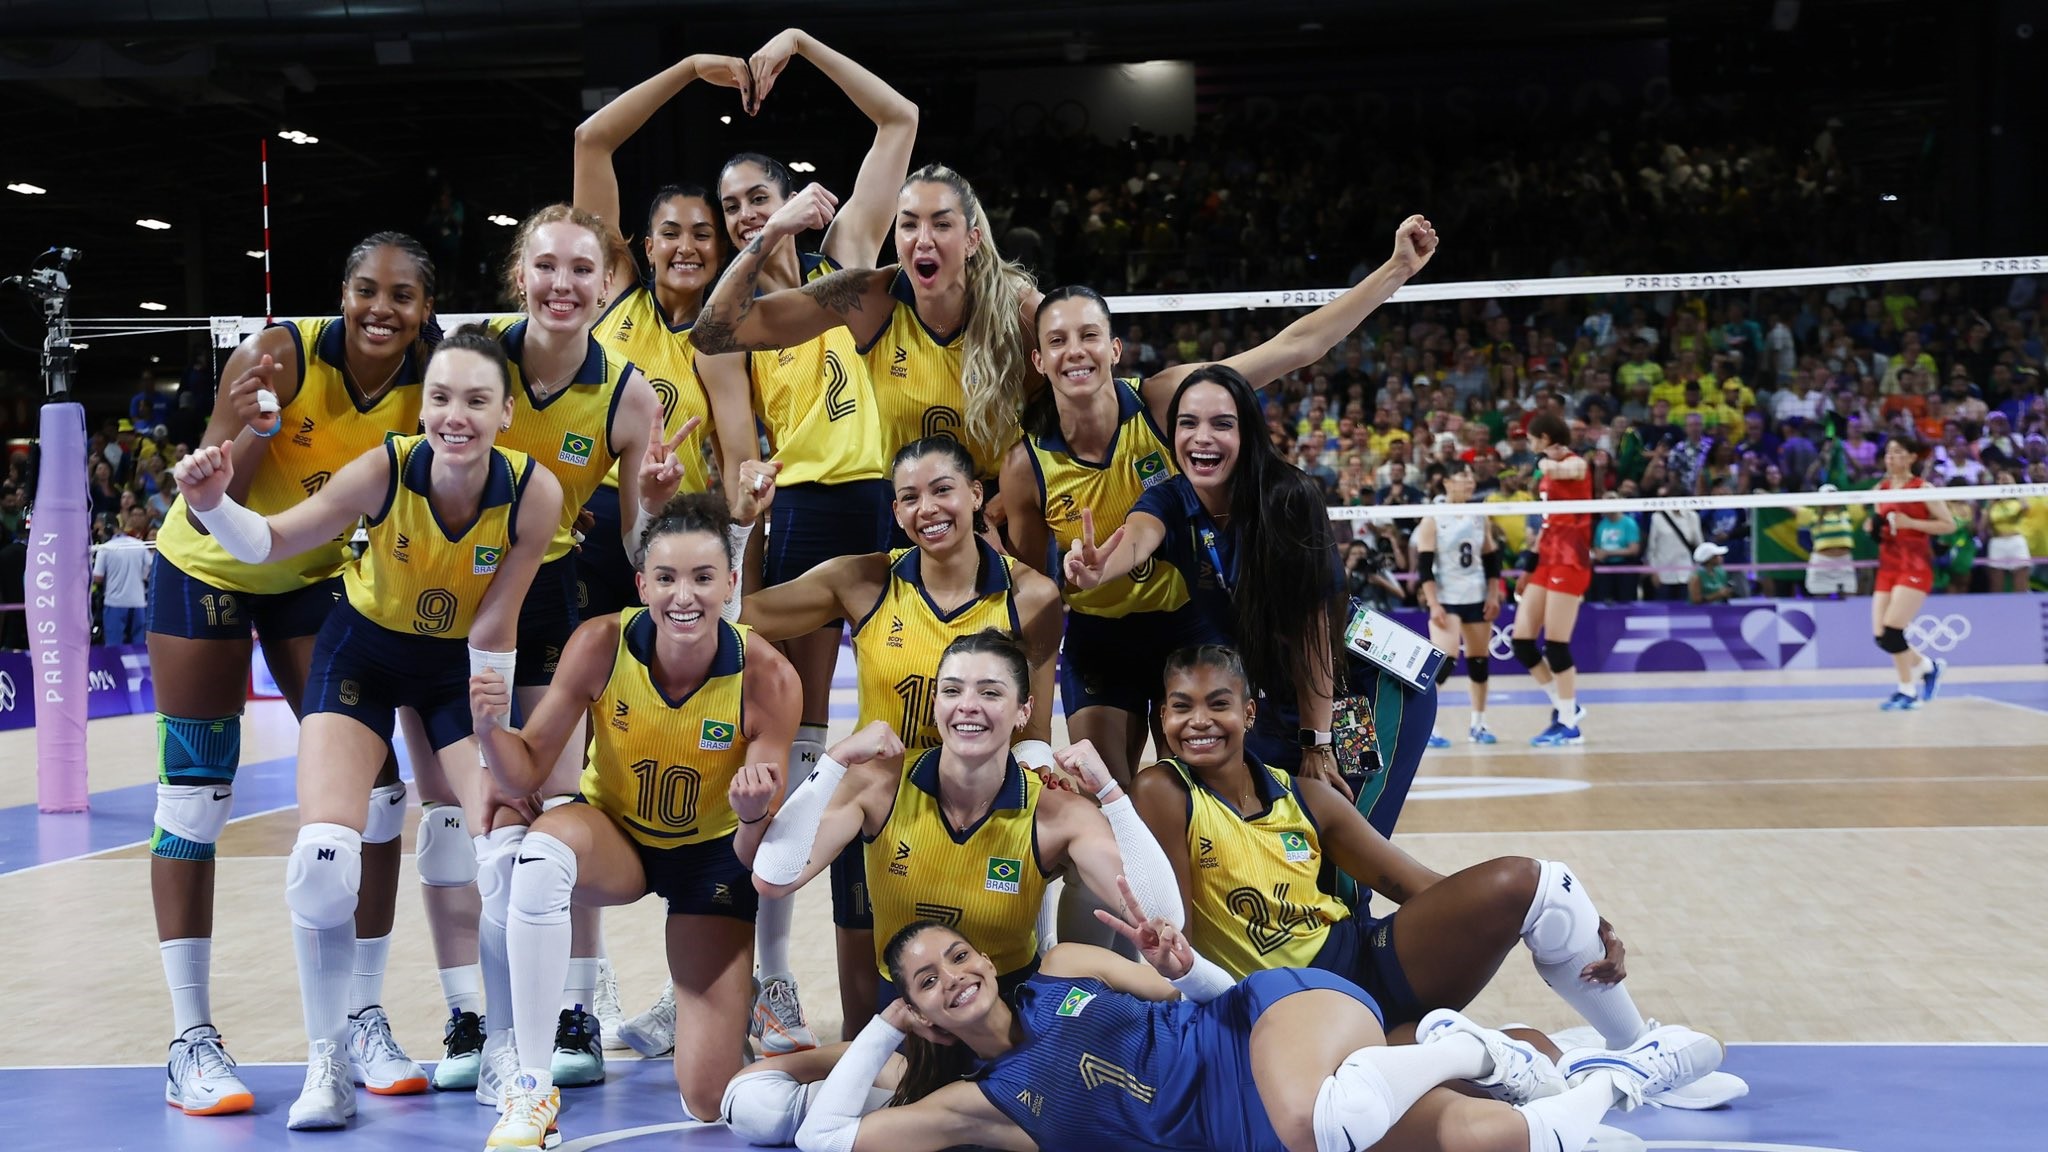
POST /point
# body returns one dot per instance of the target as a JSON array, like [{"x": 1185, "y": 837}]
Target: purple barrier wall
[{"x": 117, "y": 681}]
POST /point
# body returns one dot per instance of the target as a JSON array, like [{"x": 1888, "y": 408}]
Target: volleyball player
[
  {"x": 578, "y": 409},
  {"x": 814, "y": 396},
  {"x": 339, "y": 386},
  {"x": 1905, "y": 534},
  {"x": 457, "y": 527},
  {"x": 961, "y": 831},
  {"x": 678, "y": 702},
  {"x": 648, "y": 323},
  {"x": 1551, "y": 595},
  {"x": 1097, "y": 1051},
  {"x": 1460, "y": 570},
  {"x": 906, "y": 606}
]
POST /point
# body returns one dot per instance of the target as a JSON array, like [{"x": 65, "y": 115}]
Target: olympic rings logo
[
  {"x": 1500, "y": 646},
  {"x": 1940, "y": 633}
]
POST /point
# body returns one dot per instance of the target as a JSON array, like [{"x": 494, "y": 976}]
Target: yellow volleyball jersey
[
  {"x": 636, "y": 329},
  {"x": 819, "y": 405},
  {"x": 418, "y": 575},
  {"x": 1068, "y": 485},
  {"x": 1256, "y": 903},
  {"x": 2008, "y": 517},
  {"x": 897, "y": 645},
  {"x": 661, "y": 767},
  {"x": 918, "y": 387},
  {"x": 321, "y": 429},
  {"x": 984, "y": 882},
  {"x": 568, "y": 432}
]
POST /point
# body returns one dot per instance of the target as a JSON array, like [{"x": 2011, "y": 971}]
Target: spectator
[
  {"x": 1801, "y": 400},
  {"x": 1711, "y": 582},
  {"x": 13, "y": 589},
  {"x": 1688, "y": 460},
  {"x": 104, "y": 496},
  {"x": 1366, "y": 572},
  {"x": 1310, "y": 460},
  {"x": 1617, "y": 542},
  {"x": 1831, "y": 556},
  {"x": 1469, "y": 378},
  {"x": 12, "y": 509},
  {"x": 121, "y": 566},
  {"x": 1673, "y": 537},
  {"x": 2005, "y": 527},
  {"x": 1397, "y": 489}
]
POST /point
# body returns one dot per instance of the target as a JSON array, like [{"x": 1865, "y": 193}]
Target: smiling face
[
  {"x": 747, "y": 198},
  {"x": 562, "y": 273},
  {"x": 935, "y": 503},
  {"x": 946, "y": 979},
  {"x": 1206, "y": 436},
  {"x": 383, "y": 304},
  {"x": 1205, "y": 715},
  {"x": 464, "y": 404},
  {"x": 682, "y": 244},
  {"x": 980, "y": 706},
  {"x": 934, "y": 236},
  {"x": 685, "y": 580},
  {"x": 1075, "y": 350}
]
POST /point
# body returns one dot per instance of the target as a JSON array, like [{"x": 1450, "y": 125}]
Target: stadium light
[
  {"x": 501, "y": 220},
  {"x": 151, "y": 223},
  {"x": 152, "y": 306},
  {"x": 254, "y": 253},
  {"x": 26, "y": 189},
  {"x": 298, "y": 137}
]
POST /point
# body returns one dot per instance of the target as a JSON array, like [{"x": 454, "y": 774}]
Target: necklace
[
  {"x": 542, "y": 389},
  {"x": 370, "y": 397}
]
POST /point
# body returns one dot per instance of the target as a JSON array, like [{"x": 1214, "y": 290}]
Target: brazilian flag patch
[
  {"x": 1076, "y": 1001},
  {"x": 487, "y": 556},
  {"x": 1003, "y": 874},
  {"x": 1151, "y": 469},
  {"x": 716, "y": 736},
  {"x": 1295, "y": 846},
  {"x": 576, "y": 448}
]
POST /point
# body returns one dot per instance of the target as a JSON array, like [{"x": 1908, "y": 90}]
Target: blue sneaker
[
  {"x": 1930, "y": 680},
  {"x": 1557, "y": 736},
  {"x": 1481, "y": 734},
  {"x": 1548, "y": 736},
  {"x": 1436, "y": 741},
  {"x": 1900, "y": 702}
]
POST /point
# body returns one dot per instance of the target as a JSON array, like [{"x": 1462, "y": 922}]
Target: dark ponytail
[
  {"x": 955, "y": 452},
  {"x": 430, "y": 331},
  {"x": 693, "y": 512},
  {"x": 1042, "y": 412},
  {"x": 930, "y": 1066}
]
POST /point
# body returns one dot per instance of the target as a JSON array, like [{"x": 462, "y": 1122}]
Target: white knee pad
[
  {"x": 322, "y": 876},
  {"x": 544, "y": 880},
  {"x": 765, "y": 1108},
  {"x": 445, "y": 857},
  {"x": 194, "y": 812},
  {"x": 495, "y": 855},
  {"x": 1562, "y": 921},
  {"x": 1354, "y": 1108},
  {"x": 385, "y": 821}
]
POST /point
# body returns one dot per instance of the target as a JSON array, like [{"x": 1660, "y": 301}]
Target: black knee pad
[
  {"x": 1892, "y": 640},
  {"x": 1527, "y": 652},
  {"x": 1443, "y": 671},
  {"x": 1478, "y": 668},
  {"x": 1558, "y": 654}
]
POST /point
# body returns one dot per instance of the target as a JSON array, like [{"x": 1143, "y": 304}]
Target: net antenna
[{"x": 49, "y": 281}]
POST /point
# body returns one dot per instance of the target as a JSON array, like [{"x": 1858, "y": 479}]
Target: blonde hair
[
  {"x": 617, "y": 253},
  {"x": 995, "y": 373}
]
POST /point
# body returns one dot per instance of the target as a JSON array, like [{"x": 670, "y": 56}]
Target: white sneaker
[
  {"x": 653, "y": 1033},
  {"x": 328, "y": 1099},
  {"x": 1713, "y": 1090},
  {"x": 609, "y": 1016},
  {"x": 500, "y": 1066},
  {"x": 376, "y": 1061},
  {"x": 1520, "y": 1073},
  {"x": 527, "y": 1119},
  {"x": 779, "y": 1018},
  {"x": 200, "y": 1076},
  {"x": 1665, "y": 1058}
]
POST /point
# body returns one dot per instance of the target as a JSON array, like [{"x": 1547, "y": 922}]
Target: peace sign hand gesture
[
  {"x": 661, "y": 468},
  {"x": 1160, "y": 943},
  {"x": 1085, "y": 560}
]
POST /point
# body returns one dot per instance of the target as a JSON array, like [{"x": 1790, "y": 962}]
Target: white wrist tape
[
  {"x": 1032, "y": 753},
  {"x": 503, "y": 663},
  {"x": 266, "y": 401},
  {"x": 1204, "y": 981},
  {"x": 244, "y": 534},
  {"x": 736, "y": 537}
]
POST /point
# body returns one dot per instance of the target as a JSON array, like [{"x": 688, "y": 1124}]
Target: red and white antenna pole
[{"x": 269, "y": 314}]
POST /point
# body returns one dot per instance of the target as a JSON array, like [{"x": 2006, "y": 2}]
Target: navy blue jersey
[
  {"x": 1098, "y": 1068},
  {"x": 1205, "y": 555}
]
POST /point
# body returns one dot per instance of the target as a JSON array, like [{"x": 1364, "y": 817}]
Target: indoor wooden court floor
[{"x": 1789, "y": 867}]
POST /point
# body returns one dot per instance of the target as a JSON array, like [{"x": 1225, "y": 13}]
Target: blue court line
[
  {"x": 124, "y": 816},
  {"x": 2024, "y": 693}
]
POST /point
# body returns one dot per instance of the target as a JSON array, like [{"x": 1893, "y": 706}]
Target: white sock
[
  {"x": 366, "y": 982},
  {"x": 771, "y": 921},
  {"x": 326, "y": 960},
  {"x": 1924, "y": 666},
  {"x": 539, "y": 962},
  {"x": 1550, "y": 690},
  {"x": 1567, "y": 707},
  {"x": 462, "y": 987},
  {"x": 1410, "y": 1070},
  {"x": 1566, "y": 1121},
  {"x": 1562, "y": 933},
  {"x": 188, "y": 967},
  {"x": 1908, "y": 688},
  {"x": 1359, "y": 1102},
  {"x": 492, "y": 959},
  {"x": 579, "y": 990},
  {"x": 1478, "y": 719}
]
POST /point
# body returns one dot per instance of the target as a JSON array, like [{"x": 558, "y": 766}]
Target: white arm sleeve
[
  {"x": 736, "y": 537},
  {"x": 787, "y": 846},
  {"x": 1146, "y": 867},
  {"x": 245, "y": 535},
  {"x": 834, "y": 1119},
  {"x": 1203, "y": 983},
  {"x": 505, "y": 664}
]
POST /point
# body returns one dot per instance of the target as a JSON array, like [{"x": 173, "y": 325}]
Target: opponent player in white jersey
[{"x": 1460, "y": 572}]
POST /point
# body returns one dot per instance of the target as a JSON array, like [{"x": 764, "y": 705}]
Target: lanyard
[{"x": 1208, "y": 538}]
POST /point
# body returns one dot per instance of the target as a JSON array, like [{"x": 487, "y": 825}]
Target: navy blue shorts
[
  {"x": 1120, "y": 662},
  {"x": 366, "y": 672},
  {"x": 849, "y": 872},
  {"x": 547, "y": 619},
  {"x": 604, "y": 575},
  {"x": 186, "y": 606},
  {"x": 1361, "y": 950},
  {"x": 886, "y": 992},
  {"x": 704, "y": 879},
  {"x": 1467, "y": 613},
  {"x": 813, "y": 523}
]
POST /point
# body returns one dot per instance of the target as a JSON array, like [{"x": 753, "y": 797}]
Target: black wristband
[
  {"x": 757, "y": 819},
  {"x": 1425, "y": 566},
  {"x": 1490, "y": 563}
]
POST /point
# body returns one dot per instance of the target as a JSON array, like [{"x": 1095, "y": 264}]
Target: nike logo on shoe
[
  {"x": 222, "y": 795},
  {"x": 531, "y": 859}
]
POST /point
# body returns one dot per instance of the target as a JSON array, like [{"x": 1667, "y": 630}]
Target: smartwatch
[{"x": 1310, "y": 738}]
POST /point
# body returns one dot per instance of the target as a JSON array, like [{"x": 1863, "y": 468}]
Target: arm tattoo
[
  {"x": 1391, "y": 890},
  {"x": 840, "y": 292},
  {"x": 715, "y": 332}
]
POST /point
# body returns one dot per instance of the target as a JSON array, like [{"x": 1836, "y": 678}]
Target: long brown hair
[{"x": 930, "y": 1066}]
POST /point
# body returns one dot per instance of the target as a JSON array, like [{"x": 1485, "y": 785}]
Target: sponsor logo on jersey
[
  {"x": 576, "y": 448},
  {"x": 897, "y": 867},
  {"x": 1003, "y": 875},
  {"x": 304, "y": 436},
  {"x": 486, "y": 560},
  {"x": 716, "y": 736},
  {"x": 626, "y": 326},
  {"x": 398, "y": 551},
  {"x": 899, "y": 367},
  {"x": 1206, "y": 856},
  {"x": 895, "y": 639},
  {"x": 1294, "y": 846},
  {"x": 1076, "y": 1002},
  {"x": 619, "y": 714},
  {"x": 1032, "y": 1100},
  {"x": 1151, "y": 469}
]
